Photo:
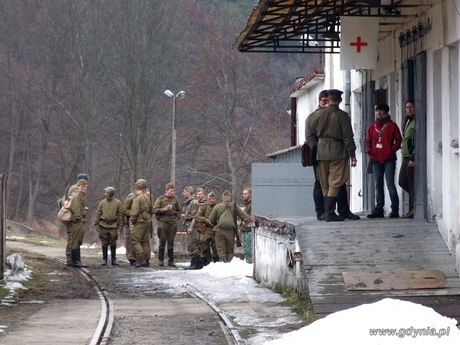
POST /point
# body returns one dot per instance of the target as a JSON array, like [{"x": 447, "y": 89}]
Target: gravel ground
[{"x": 144, "y": 313}]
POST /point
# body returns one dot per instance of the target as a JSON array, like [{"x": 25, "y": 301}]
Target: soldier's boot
[
  {"x": 194, "y": 264},
  {"x": 113, "y": 251},
  {"x": 215, "y": 259},
  {"x": 329, "y": 206},
  {"x": 132, "y": 262},
  {"x": 204, "y": 261},
  {"x": 76, "y": 258},
  {"x": 161, "y": 257},
  {"x": 171, "y": 257},
  {"x": 141, "y": 262},
  {"x": 104, "y": 255}
]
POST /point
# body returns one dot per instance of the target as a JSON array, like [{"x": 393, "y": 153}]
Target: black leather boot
[
  {"x": 215, "y": 259},
  {"x": 76, "y": 258},
  {"x": 171, "y": 258},
  {"x": 194, "y": 264},
  {"x": 161, "y": 257},
  {"x": 104, "y": 256},
  {"x": 204, "y": 261},
  {"x": 329, "y": 206},
  {"x": 113, "y": 251},
  {"x": 377, "y": 213}
]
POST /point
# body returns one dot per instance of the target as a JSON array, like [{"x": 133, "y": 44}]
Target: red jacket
[{"x": 385, "y": 147}]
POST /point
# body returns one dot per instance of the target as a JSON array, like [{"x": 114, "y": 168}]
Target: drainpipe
[
  {"x": 347, "y": 91},
  {"x": 293, "y": 121}
]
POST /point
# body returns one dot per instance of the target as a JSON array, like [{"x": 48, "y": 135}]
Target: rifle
[{"x": 235, "y": 229}]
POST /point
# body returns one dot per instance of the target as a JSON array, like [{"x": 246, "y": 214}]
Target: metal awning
[{"x": 312, "y": 26}]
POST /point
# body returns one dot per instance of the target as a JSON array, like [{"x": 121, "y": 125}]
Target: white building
[{"x": 418, "y": 57}]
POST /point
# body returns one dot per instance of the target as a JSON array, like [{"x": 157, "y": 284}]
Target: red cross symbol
[{"x": 358, "y": 44}]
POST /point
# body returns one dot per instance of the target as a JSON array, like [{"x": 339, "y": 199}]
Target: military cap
[
  {"x": 334, "y": 92},
  {"x": 211, "y": 195},
  {"x": 189, "y": 189},
  {"x": 82, "y": 177},
  {"x": 170, "y": 186},
  {"x": 82, "y": 182},
  {"x": 227, "y": 193},
  {"x": 138, "y": 186},
  {"x": 142, "y": 182}
]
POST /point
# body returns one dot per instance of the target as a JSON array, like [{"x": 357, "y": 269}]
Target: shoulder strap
[
  {"x": 329, "y": 118},
  {"x": 380, "y": 133}
]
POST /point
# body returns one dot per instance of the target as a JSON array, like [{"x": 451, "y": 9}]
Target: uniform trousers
[
  {"x": 130, "y": 254},
  {"x": 108, "y": 236},
  {"x": 208, "y": 243},
  {"x": 406, "y": 180},
  {"x": 140, "y": 237},
  {"x": 193, "y": 241},
  {"x": 332, "y": 174},
  {"x": 225, "y": 243},
  {"x": 77, "y": 232},
  {"x": 246, "y": 240},
  {"x": 166, "y": 233}
]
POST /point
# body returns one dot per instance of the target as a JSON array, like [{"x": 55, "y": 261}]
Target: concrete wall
[{"x": 277, "y": 257}]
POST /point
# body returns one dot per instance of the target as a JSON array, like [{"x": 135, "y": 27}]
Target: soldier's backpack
[
  {"x": 226, "y": 221},
  {"x": 65, "y": 214}
]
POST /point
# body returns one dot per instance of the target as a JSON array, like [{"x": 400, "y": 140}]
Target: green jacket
[
  {"x": 109, "y": 214},
  {"x": 408, "y": 144},
  {"x": 169, "y": 217},
  {"x": 247, "y": 204},
  {"x": 337, "y": 141},
  {"x": 140, "y": 209},
  {"x": 78, "y": 207},
  {"x": 219, "y": 209}
]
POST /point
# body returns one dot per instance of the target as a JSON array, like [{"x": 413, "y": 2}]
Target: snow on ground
[{"x": 389, "y": 321}]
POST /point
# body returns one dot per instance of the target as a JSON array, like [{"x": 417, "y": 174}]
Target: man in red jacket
[{"x": 382, "y": 141}]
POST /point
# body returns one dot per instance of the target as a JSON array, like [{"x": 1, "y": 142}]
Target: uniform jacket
[
  {"x": 310, "y": 137},
  {"x": 140, "y": 209},
  {"x": 247, "y": 204},
  {"x": 408, "y": 145},
  {"x": 190, "y": 212},
  {"x": 169, "y": 217},
  {"x": 203, "y": 214},
  {"x": 337, "y": 142},
  {"x": 109, "y": 214},
  {"x": 385, "y": 147},
  {"x": 78, "y": 207},
  {"x": 219, "y": 209}
]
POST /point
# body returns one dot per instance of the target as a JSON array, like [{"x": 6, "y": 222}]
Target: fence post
[{"x": 3, "y": 179}]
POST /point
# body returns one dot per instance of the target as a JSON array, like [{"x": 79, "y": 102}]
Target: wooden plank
[{"x": 395, "y": 280}]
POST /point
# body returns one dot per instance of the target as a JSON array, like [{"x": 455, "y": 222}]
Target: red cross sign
[{"x": 358, "y": 44}]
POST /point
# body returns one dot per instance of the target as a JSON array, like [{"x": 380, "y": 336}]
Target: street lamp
[{"x": 180, "y": 94}]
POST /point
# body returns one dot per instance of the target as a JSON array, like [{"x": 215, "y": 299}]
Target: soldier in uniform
[
  {"x": 225, "y": 236},
  {"x": 246, "y": 234},
  {"x": 108, "y": 223},
  {"x": 141, "y": 223},
  {"x": 192, "y": 228},
  {"x": 77, "y": 223},
  {"x": 126, "y": 210},
  {"x": 336, "y": 146},
  {"x": 68, "y": 194},
  {"x": 208, "y": 236},
  {"x": 201, "y": 196},
  {"x": 167, "y": 211}
]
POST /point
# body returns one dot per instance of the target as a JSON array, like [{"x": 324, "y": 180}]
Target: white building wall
[{"x": 441, "y": 45}]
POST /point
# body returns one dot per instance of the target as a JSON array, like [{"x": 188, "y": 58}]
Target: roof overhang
[{"x": 305, "y": 26}]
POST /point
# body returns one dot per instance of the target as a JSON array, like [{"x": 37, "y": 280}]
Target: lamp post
[{"x": 180, "y": 94}]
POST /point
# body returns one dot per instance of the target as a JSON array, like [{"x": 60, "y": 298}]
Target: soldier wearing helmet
[{"x": 109, "y": 222}]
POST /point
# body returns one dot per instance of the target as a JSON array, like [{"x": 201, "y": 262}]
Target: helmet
[
  {"x": 142, "y": 182},
  {"x": 110, "y": 191}
]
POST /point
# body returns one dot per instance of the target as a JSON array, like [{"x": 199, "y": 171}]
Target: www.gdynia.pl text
[{"x": 410, "y": 332}]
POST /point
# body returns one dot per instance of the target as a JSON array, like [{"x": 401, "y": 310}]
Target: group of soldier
[{"x": 208, "y": 239}]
